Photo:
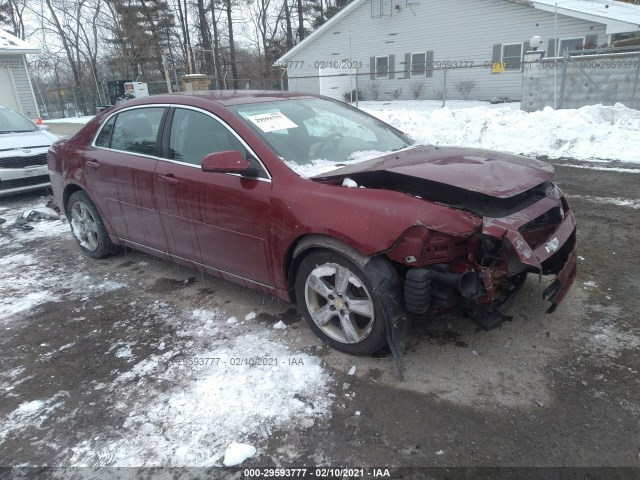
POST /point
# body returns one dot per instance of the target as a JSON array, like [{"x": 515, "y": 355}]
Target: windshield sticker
[{"x": 269, "y": 122}]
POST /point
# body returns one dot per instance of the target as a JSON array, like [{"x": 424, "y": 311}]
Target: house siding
[
  {"x": 20, "y": 76},
  {"x": 462, "y": 31}
]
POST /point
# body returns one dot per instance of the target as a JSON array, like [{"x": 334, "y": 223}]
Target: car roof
[{"x": 228, "y": 98}]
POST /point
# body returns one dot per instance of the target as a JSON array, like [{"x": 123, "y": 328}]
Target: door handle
[
  {"x": 92, "y": 164},
  {"x": 168, "y": 179}
]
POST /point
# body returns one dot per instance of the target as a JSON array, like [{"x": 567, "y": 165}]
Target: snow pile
[
  {"x": 221, "y": 392},
  {"x": 349, "y": 183},
  {"x": 320, "y": 166},
  {"x": 236, "y": 453},
  {"x": 593, "y": 132}
]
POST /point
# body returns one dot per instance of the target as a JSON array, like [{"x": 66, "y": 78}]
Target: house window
[
  {"x": 512, "y": 56},
  {"x": 570, "y": 44},
  {"x": 418, "y": 64},
  {"x": 382, "y": 67}
]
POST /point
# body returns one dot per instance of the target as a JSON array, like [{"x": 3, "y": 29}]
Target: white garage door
[
  {"x": 335, "y": 83},
  {"x": 8, "y": 96}
]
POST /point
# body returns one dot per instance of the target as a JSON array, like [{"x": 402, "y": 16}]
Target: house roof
[
  {"x": 619, "y": 17},
  {"x": 318, "y": 31},
  {"x": 12, "y": 44}
]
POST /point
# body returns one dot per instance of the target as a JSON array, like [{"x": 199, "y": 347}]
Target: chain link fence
[
  {"x": 579, "y": 78},
  {"x": 452, "y": 87},
  {"x": 66, "y": 102},
  {"x": 69, "y": 101}
]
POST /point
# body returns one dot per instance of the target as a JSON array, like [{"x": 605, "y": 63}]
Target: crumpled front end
[
  {"x": 480, "y": 275},
  {"x": 542, "y": 237}
]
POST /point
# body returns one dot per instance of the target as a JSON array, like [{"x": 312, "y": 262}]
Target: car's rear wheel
[
  {"x": 339, "y": 303},
  {"x": 87, "y": 226}
]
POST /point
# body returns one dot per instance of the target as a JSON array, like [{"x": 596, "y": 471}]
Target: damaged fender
[{"x": 388, "y": 288}]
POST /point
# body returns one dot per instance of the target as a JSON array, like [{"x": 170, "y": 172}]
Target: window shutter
[
  {"x": 590, "y": 41},
  {"x": 392, "y": 66},
  {"x": 497, "y": 53},
  {"x": 407, "y": 65},
  {"x": 551, "y": 48},
  {"x": 372, "y": 68},
  {"x": 429, "y": 63}
]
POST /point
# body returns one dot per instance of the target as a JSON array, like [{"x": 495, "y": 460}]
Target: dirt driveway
[{"x": 133, "y": 361}]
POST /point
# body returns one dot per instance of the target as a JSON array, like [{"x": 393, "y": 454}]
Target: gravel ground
[{"x": 545, "y": 390}]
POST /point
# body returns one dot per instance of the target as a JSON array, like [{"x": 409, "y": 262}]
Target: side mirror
[{"x": 230, "y": 161}]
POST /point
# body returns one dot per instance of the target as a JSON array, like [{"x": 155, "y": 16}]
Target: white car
[{"x": 23, "y": 153}]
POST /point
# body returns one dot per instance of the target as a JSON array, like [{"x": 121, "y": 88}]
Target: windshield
[
  {"x": 13, "y": 122},
  {"x": 315, "y": 136}
]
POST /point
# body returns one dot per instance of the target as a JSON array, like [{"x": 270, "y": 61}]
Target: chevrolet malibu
[{"x": 317, "y": 203}]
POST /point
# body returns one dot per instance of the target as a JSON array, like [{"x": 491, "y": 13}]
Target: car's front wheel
[
  {"x": 339, "y": 303},
  {"x": 87, "y": 226}
]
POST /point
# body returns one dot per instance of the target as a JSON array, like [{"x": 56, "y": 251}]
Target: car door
[
  {"x": 219, "y": 220},
  {"x": 120, "y": 174}
]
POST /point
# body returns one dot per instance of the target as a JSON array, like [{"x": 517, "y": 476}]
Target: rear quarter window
[
  {"x": 136, "y": 131},
  {"x": 104, "y": 137}
]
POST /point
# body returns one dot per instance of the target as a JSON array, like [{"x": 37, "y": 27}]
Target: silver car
[{"x": 23, "y": 153}]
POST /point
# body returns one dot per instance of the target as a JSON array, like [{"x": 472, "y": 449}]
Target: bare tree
[
  {"x": 183, "y": 20},
  {"x": 288, "y": 28},
  {"x": 217, "y": 61},
  {"x": 227, "y": 4},
  {"x": 374, "y": 89},
  {"x": 63, "y": 19},
  {"x": 12, "y": 15},
  {"x": 465, "y": 87},
  {"x": 417, "y": 87},
  {"x": 266, "y": 16},
  {"x": 205, "y": 37},
  {"x": 300, "y": 21}
]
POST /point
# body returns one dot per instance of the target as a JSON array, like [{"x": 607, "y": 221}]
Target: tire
[
  {"x": 329, "y": 310},
  {"x": 87, "y": 226}
]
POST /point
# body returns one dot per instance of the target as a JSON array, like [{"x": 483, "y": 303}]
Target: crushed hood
[{"x": 495, "y": 174}]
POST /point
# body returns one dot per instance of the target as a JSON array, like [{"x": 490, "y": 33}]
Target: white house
[
  {"x": 16, "y": 91},
  {"x": 397, "y": 44}
]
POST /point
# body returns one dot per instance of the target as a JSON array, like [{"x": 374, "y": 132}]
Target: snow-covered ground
[
  {"x": 430, "y": 105},
  {"x": 200, "y": 394}
]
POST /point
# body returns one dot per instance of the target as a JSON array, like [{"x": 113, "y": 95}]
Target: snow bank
[
  {"x": 226, "y": 393},
  {"x": 593, "y": 132}
]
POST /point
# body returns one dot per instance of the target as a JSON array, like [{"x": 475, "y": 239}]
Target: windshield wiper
[{"x": 16, "y": 131}]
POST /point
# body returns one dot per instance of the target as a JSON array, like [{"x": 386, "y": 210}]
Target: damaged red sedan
[{"x": 319, "y": 204}]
